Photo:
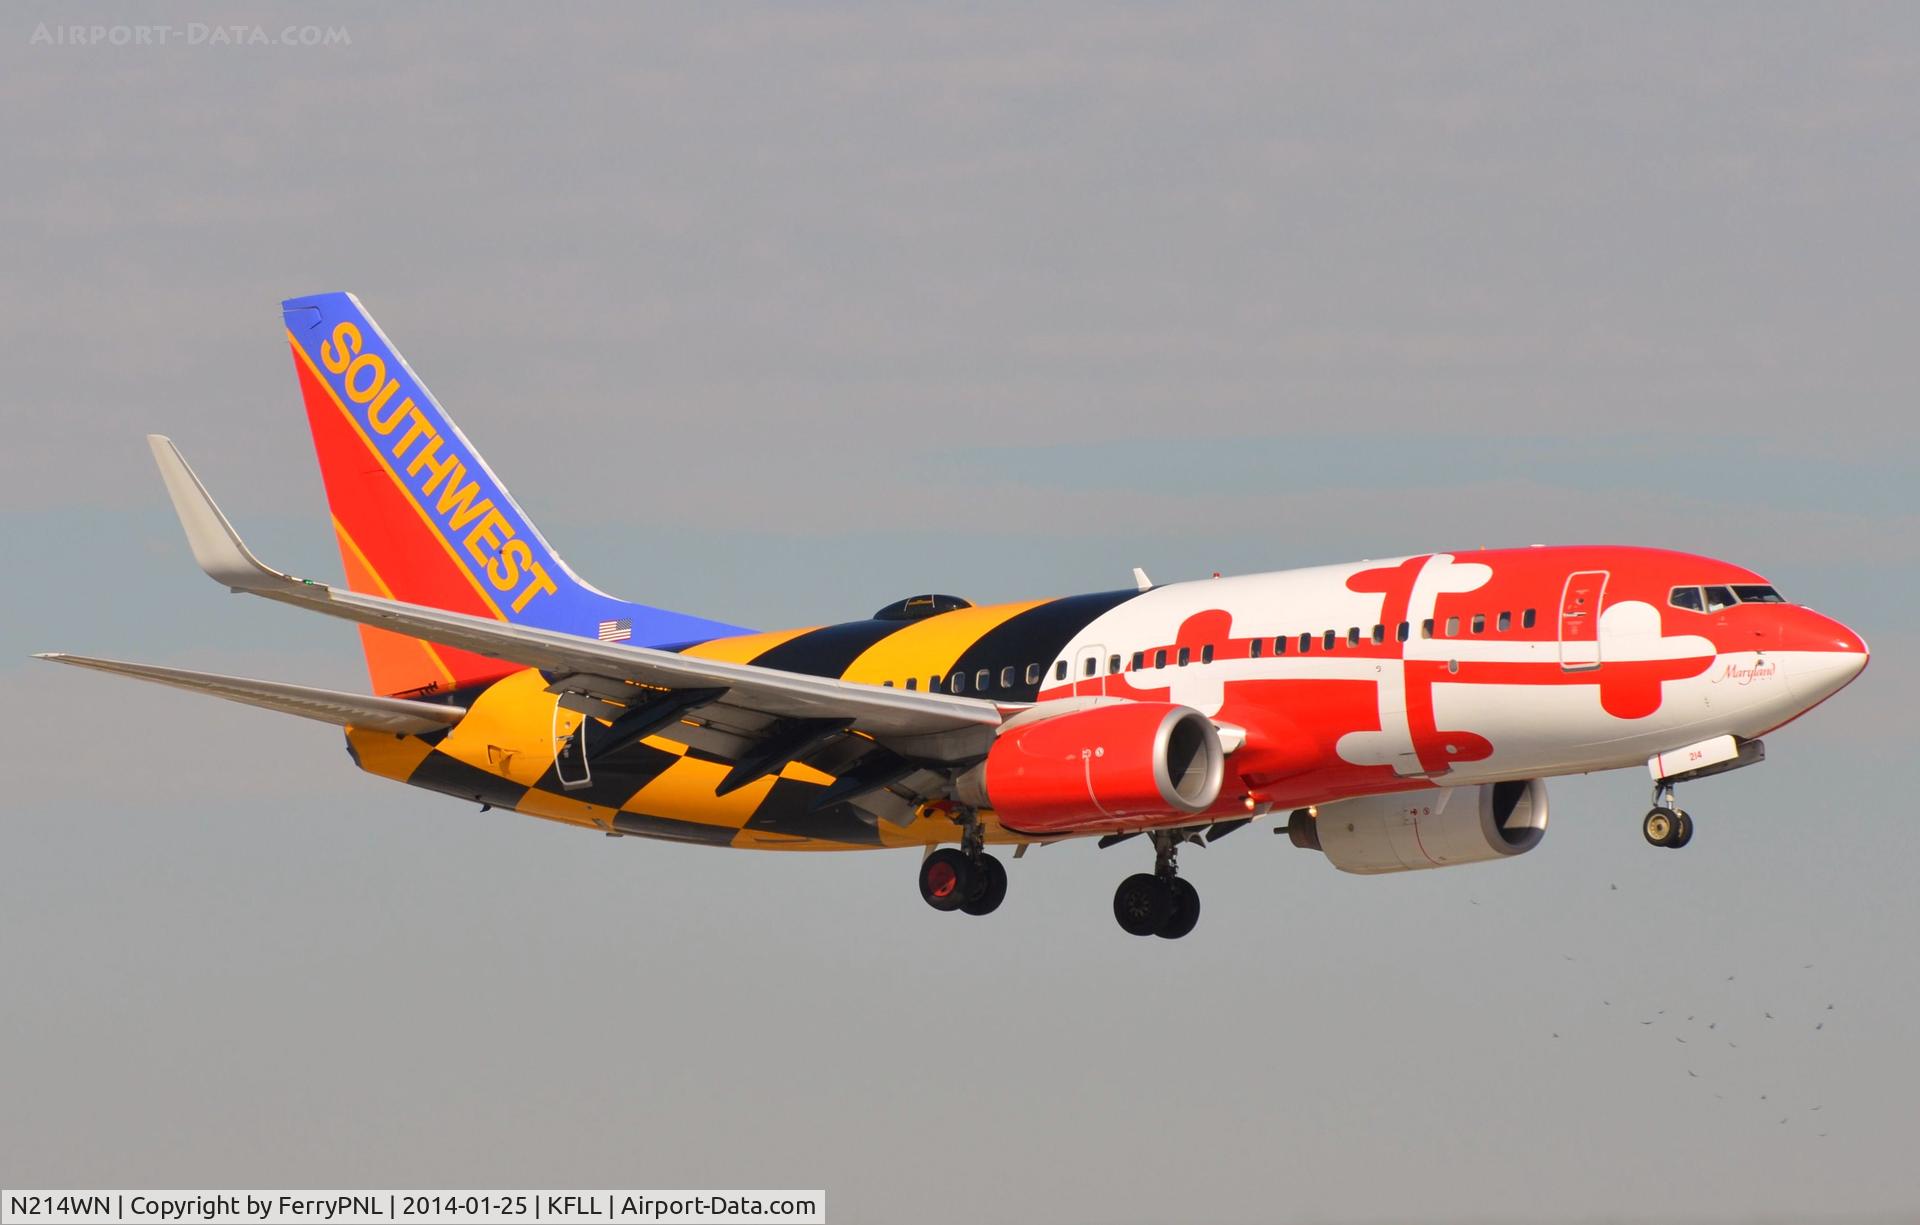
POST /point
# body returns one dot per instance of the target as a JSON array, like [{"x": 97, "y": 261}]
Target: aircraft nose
[{"x": 1823, "y": 656}]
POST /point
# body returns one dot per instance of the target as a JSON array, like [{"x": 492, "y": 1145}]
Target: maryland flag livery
[{"x": 1398, "y": 715}]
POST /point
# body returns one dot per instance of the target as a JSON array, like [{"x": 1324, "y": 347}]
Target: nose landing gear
[
  {"x": 1666, "y": 824},
  {"x": 1159, "y": 903}
]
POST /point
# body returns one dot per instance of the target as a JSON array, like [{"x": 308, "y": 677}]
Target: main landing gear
[
  {"x": 1158, "y": 903},
  {"x": 966, "y": 879},
  {"x": 1666, "y": 824}
]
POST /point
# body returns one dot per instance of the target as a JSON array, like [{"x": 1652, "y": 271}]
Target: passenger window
[
  {"x": 1379, "y": 633},
  {"x": 1331, "y": 639},
  {"x": 1206, "y": 654},
  {"x": 1506, "y": 622},
  {"x": 1401, "y": 633},
  {"x": 1758, "y": 595},
  {"x": 1186, "y": 656},
  {"x": 1426, "y": 628},
  {"x": 1353, "y": 635},
  {"x": 1687, "y": 598},
  {"x": 1526, "y": 619},
  {"x": 1139, "y": 660},
  {"x": 1113, "y": 664},
  {"x": 1306, "y": 643},
  {"x": 1088, "y": 668},
  {"x": 1253, "y": 648},
  {"x": 886, "y": 684},
  {"x": 1060, "y": 671},
  {"x": 1453, "y": 627},
  {"x": 913, "y": 682},
  {"x": 1479, "y": 623},
  {"x": 957, "y": 682},
  {"x": 1279, "y": 646},
  {"x": 1719, "y": 598},
  {"x": 933, "y": 683},
  {"x": 1033, "y": 674},
  {"x": 1159, "y": 659}
]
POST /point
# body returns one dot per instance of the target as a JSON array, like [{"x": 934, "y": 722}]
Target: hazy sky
[{"x": 777, "y": 315}]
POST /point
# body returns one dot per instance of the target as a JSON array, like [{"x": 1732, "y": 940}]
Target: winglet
[
  {"x": 1141, "y": 580},
  {"x": 216, "y": 546}
]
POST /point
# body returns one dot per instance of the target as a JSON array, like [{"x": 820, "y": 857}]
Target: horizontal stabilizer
[{"x": 327, "y": 705}]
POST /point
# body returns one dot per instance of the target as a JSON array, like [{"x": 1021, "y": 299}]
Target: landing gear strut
[
  {"x": 1159, "y": 903},
  {"x": 1666, "y": 824},
  {"x": 966, "y": 878}
]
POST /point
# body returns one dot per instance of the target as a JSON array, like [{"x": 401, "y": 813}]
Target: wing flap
[{"x": 325, "y": 705}]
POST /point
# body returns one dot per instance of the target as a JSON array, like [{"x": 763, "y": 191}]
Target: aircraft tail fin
[{"x": 421, "y": 518}]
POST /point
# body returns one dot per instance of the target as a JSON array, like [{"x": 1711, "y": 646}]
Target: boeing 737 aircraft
[{"x": 1402, "y": 714}]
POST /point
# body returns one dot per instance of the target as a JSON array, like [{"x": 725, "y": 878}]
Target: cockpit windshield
[{"x": 1715, "y": 598}]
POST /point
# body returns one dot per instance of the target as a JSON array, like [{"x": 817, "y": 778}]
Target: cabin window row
[
  {"x": 1330, "y": 640},
  {"x": 984, "y": 680}
]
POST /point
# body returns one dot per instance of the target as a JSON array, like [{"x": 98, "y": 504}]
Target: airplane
[{"x": 1403, "y": 714}]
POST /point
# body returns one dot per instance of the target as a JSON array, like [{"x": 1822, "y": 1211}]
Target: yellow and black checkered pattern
[{"x": 502, "y": 753}]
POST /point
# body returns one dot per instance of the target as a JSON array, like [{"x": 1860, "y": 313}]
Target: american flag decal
[{"x": 616, "y": 631}]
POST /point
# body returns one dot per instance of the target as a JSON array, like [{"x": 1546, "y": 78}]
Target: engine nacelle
[
  {"x": 1427, "y": 829},
  {"x": 1112, "y": 766}
]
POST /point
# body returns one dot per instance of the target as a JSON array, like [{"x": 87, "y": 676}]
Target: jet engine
[
  {"x": 1426, "y": 829},
  {"x": 1111, "y": 766}
]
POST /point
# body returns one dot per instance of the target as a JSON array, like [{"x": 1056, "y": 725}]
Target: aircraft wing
[
  {"x": 931, "y": 726},
  {"x": 326, "y": 705}
]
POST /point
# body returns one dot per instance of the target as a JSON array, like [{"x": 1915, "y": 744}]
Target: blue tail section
[{"x": 420, "y": 515}]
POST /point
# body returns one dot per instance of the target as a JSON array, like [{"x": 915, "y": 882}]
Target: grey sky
[{"x": 780, "y": 314}]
